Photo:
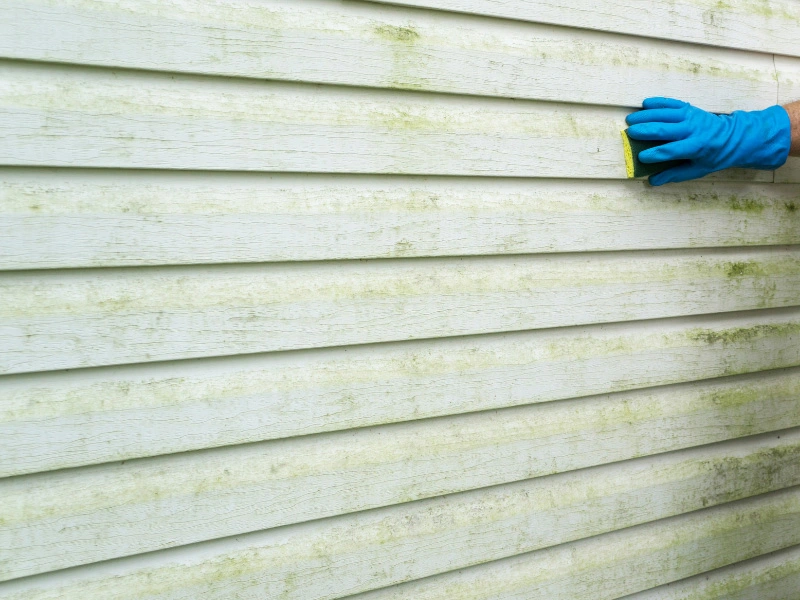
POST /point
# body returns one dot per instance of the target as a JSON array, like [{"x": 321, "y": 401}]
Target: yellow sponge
[{"x": 634, "y": 167}]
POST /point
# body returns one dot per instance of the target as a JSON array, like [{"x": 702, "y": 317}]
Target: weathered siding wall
[{"x": 307, "y": 299}]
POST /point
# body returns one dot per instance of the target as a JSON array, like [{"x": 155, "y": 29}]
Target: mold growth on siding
[
  {"x": 546, "y": 48},
  {"x": 329, "y": 377},
  {"x": 392, "y": 33},
  {"x": 746, "y": 204},
  {"x": 746, "y": 581},
  {"x": 762, "y": 8},
  {"x": 743, "y": 335},
  {"x": 704, "y": 482},
  {"x": 743, "y": 269},
  {"x": 193, "y": 101},
  {"x": 409, "y": 61},
  {"x": 464, "y": 434}
]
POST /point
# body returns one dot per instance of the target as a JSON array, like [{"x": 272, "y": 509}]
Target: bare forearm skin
[{"x": 794, "y": 116}]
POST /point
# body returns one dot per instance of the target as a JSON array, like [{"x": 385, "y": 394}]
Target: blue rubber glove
[{"x": 709, "y": 142}]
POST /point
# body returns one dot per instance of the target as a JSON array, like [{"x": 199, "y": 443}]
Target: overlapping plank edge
[
  {"x": 772, "y": 577},
  {"x": 47, "y": 518},
  {"x": 362, "y": 44},
  {"x": 615, "y": 564},
  {"x": 77, "y": 218},
  {"x": 94, "y": 415},
  {"x": 371, "y": 549},
  {"x": 63, "y": 116},
  {"x": 70, "y": 319},
  {"x": 771, "y": 26}
]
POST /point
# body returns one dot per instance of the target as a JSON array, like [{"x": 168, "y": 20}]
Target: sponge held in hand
[{"x": 634, "y": 166}]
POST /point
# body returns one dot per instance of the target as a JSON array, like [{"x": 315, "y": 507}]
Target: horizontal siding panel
[
  {"x": 61, "y": 320},
  {"x": 49, "y": 518},
  {"x": 372, "y": 549},
  {"x": 763, "y": 26},
  {"x": 51, "y": 219},
  {"x": 608, "y": 566},
  {"x": 65, "y": 117},
  {"x": 790, "y": 172},
  {"x": 95, "y": 416},
  {"x": 773, "y": 577},
  {"x": 381, "y": 46}
]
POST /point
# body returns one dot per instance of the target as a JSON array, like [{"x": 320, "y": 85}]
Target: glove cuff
[{"x": 772, "y": 129}]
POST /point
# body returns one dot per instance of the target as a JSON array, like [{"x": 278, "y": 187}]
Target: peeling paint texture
[{"x": 313, "y": 300}]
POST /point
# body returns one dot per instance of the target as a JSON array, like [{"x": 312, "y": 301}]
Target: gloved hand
[{"x": 710, "y": 142}]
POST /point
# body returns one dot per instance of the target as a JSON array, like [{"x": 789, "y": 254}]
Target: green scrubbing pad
[{"x": 636, "y": 168}]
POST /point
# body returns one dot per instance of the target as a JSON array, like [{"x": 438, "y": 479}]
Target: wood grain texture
[
  {"x": 608, "y": 566},
  {"x": 773, "y": 577},
  {"x": 95, "y": 416},
  {"x": 363, "y": 44},
  {"x": 69, "y": 219},
  {"x": 55, "y": 520},
  {"x": 771, "y": 26},
  {"x": 367, "y": 550},
  {"x": 73, "y": 117},
  {"x": 69, "y": 319},
  {"x": 787, "y": 70}
]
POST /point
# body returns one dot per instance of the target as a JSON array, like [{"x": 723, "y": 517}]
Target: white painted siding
[
  {"x": 774, "y": 577},
  {"x": 612, "y": 565},
  {"x": 127, "y": 218},
  {"x": 311, "y": 299},
  {"x": 361, "y": 44},
  {"x": 758, "y": 25}
]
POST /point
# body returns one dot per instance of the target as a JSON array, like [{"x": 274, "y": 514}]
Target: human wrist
[{"x": 793, "y": 110}]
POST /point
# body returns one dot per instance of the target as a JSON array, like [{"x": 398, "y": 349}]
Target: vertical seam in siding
[{"x": 777, "y": 93}]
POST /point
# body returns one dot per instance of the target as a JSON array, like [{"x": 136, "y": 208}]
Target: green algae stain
[
  {"x": 404, "y": 248},
  {"x": 740, "y": 335},
  {"x": 407, "y": 119},
  {"x": 760, "y": 8},
  {"x": 746, "y": 205},
  {"x": 790, "y": 207},
  {"x": 744, "y": 582},
  {"x": 743, "y": 269},
  {"x": 408, "y": 62},
  {"x": 393, "y": 33},
  {"x": 732, "y": 398}
]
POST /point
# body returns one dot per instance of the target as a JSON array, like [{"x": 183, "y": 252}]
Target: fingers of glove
[
  {"x": 663, "y": 132},
  {"x": 685, "y": 172},
  {"x": 658, "y": 115},
  {"x": 680, "y": 150},
  {"x": 659, "y": 102}
]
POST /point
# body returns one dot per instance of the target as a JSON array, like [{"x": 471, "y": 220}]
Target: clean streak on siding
[
  {"x": 69, "y": 319},
  {"x": 55, "y": 520},
  {"x": 52, "y": 219},
  {"x": 80, "y": 117},
  {"x": 759, "y": 25},
  {"x": 353, "y": 553},
  {"x": 774, "y": 577},
  {"x": 95, "y": 416},
  {"x": 611, "y": 565},
  {"x": 380, "y": 46}
]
